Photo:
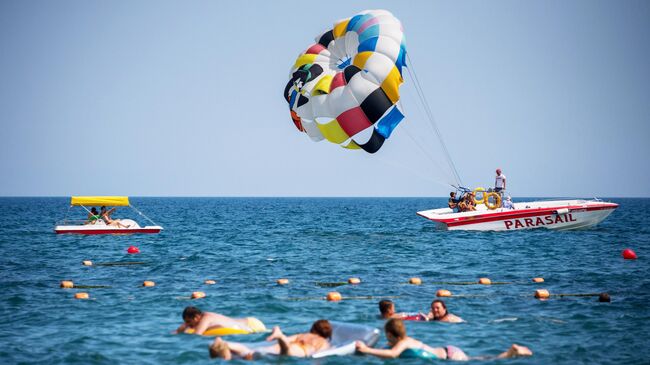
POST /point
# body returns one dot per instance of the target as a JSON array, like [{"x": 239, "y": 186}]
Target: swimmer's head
[
  {"x": 192, "y": 316},
  {"x": 395, "y": 330},
  {"x": 386, "y": 308},
  {"x": 438, "y": 308},
  {"x": 322, "y": 327}
]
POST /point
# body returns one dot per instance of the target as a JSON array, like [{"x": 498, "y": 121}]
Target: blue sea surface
[{"x": 246, "y": 244}]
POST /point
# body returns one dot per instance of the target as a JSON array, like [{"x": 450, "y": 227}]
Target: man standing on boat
[{"x": 500, "y": 182}]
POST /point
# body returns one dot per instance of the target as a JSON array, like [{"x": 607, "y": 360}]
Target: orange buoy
[
  {"x": 67, "y": 284},
  {"x": 133, "y": 250},
  {"x": 81, "y": 296},
  {"x": 334, "y": 296},
  {"x": 198, "y": 295},
  {"x": 148, "y": 283},
  {"x": 628, "y": 254},
  {"x": 87, "y": 263},
  {"x": 443, "y": 293},
  {"x": 415, "y": 281},
  {"x": 210, "y": 282},
  {"x": 542, "y": 294},
  {"x": 283, "y": 281},
  {"x": 538, "y": 280},
  {"x": 354, "y": 281},
  {"x": 484, "y": 281}
]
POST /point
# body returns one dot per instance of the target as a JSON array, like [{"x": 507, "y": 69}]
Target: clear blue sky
[{"x": 184, "y": 98}]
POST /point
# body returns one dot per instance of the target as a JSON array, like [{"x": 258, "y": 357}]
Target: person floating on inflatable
[
  {"x": 300, "y": 345},
  {"x": 439, "y": 313},
  {"x": 198, "y": 322},
  {"x": 404, "y": 346}
]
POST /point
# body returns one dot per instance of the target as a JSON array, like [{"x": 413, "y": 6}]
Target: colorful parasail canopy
[
  {"x": 345, "y": 88},
  {"x": 113, "y": 201}
]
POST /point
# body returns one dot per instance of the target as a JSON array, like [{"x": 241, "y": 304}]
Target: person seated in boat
[
  {"x": 300, "y": 345},
  {"x": 93, "y": 216},
  {"x": 507, "y": 204},
  {"x": 195, "y": 319},
  {"x": 402, "y": 346},
  {"x": 440, "y": 313},
  {"x": 387, "y": 311},
  {"x": 453, "y": 202},
  {"x": 106, "y": 217},
  {"x": 467, "y": 204}
]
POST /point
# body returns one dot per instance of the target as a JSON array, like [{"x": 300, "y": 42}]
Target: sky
[{"x": 185, "y": 98}]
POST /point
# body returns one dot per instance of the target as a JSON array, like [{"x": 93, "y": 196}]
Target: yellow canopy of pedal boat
[{"x": 113, "y": 201}]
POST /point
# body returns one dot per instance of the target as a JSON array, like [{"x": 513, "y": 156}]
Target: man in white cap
[{"x": 500, "y": 182}]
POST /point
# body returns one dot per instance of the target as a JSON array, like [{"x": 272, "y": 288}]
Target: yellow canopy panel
[{"x": 114, "y": 201}]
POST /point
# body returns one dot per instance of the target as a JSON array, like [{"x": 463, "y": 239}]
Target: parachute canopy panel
[
  {"x": 113, "y": 201},
  {"x": 347, "y": 83}
]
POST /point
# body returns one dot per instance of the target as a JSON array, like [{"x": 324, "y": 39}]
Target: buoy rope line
[
  {"x": 90, "y": 287},
  {"x": 120, "y": 263},
  {"x": 468, "y": 283},
  {"x": 358, "y": 297}
]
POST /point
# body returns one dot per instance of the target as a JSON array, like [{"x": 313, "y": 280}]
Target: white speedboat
[
  {"x": 96, "y": 224},
  {"x": 553, "y": 214}
]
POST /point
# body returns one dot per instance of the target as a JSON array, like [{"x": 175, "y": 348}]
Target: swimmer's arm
[
  {"x": 383, "y": 353},
  {"x": 203, "y": 326},
  {"x": 455, "y": 319},
  {"x": 180, "y": 328}
]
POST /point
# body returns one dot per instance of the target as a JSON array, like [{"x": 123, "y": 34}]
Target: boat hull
[
  {"x": 555, "y": 215},
  {"x": 106, "y": 230},
  {"x": 100, "y": 228}
]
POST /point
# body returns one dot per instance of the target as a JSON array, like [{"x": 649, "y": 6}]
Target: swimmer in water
[
  {"x": 300, "y": 345},
  {"x": 387, "y": 311},
  {"x": 439, "y": 313},
  {"x": 404, "y": 346},
  {"x": 195, "y": 319}
]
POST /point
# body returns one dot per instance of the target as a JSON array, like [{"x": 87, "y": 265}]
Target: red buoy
[
  {"x": 133, "y": 249},
  {"x": 628, "y": 254}
]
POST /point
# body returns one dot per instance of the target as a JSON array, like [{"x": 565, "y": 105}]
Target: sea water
[{"x": 246, "y": 244}]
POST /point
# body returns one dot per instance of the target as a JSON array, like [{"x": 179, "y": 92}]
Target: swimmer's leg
[
  {"x": 225, "y": 350},
  {"x": 277, "y": 334},
  {"x": 219, "y": 348},
  {"x": 286, "y": 348},
  {"x": 515, "y": 351}
]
